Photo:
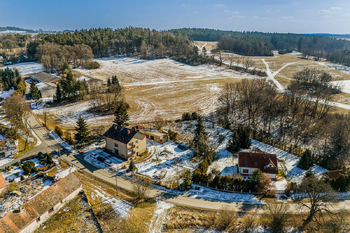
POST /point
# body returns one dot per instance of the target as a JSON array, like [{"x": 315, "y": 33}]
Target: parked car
[
  {"x": 101, "y": 159},
  {"x": 108, "y": 162}
]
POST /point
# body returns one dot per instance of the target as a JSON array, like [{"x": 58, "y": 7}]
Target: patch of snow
[
  {"x": 82, "y": 78},
  {"x": 159, "y": 215},
  {"x": 213, "y": 195},
  {"x": 91, "y": 157},
  {"x": 281, "y": 185},
  {"x": 63, "y": 143},
  {"x": 66, "y": 172},
  {"x": 27, "y": 68},
  {"x": 6, "y": 94}
]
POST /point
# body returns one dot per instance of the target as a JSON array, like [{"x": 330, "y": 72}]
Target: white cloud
[
  {"x": 232, "y": 12},
  {"x": 219, "y": 5},
  {"x": 324, "y": 11},
  {"x": 195, "y": 12},
  {"x": 336, "y": 8}
]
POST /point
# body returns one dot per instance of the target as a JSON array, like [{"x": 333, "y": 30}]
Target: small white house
[{"x": 249, "y": 162}]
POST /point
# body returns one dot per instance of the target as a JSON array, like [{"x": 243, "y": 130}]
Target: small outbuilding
[
  {"x": 333, "y": 174},
  {"x": 155, "y": 135}
]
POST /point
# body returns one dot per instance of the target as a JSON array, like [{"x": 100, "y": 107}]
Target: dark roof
[
  {"x": 38, "y": 205},
  {"x": 258, "y": 160},
  {"x": 120, "y": 133},
  {"x": 334, "y": 174},
  {"x": 3, "y": 182},
  {"x": 45, "y": 77}
]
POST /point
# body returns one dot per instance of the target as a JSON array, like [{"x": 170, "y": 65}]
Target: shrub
[
  {"x": 49, "y": 159},
  {"x": 29, "y": 167},
  {"x": 68, "y": 138},
  {"x": 187, "y": 180},
  {"x": 132, "y": 166},
  {"x": 91, "y": 65},
  {"x": 172, "y": 135},
  {"x": 22, "y": 177},
  {"x": 186, "y": 116},
  {"x": 58, "y": 131},
  {"x": 281, "y": 173}
]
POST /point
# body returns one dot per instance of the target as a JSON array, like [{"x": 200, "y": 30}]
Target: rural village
[{"x": 153, "y": 143}]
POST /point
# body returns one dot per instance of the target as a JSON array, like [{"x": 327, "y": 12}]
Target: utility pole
[{"x": 116, "y": 180}]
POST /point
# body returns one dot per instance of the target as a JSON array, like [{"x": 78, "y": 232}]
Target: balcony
[{"x": 131, "y": 147}]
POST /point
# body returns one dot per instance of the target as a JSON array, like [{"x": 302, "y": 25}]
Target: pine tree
[
  {"x": 109, "y": 82},
  {"x": 187, "y": 180},
  {"x": 132, "y": 166},
  {"x": 49, "y": 159},
  {"x": 58, "y": 93},
  {"x": 234, "y": 144},
  {"x": 34, "y": 92},
  {"x": 306, "y": 160},
  {"x": 121, "y": 115},
  {"x": 83, "y": 133}
]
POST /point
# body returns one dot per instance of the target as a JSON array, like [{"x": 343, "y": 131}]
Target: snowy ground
[
  {"x": 91, "y": 157},
  {"x": 6, "y": 161},
  {"x": 345, "y": 85},
  {"x": 289, "y": 161},
  {"x": 8, "y": 93},
  {"x": 16, "y": 172},
  {"x": 120, "y": 207},
  {"x": 68, "y": 115},
  {"x": 63, "y": 143},
  {"x": 159, "y": 215},
  {"x": 212, "y": 195},
  {"x": 26, "y": 68},
  {"x": 171, "y": 162}
]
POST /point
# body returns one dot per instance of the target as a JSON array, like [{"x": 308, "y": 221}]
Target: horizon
[{"x": 270, "y": 16}]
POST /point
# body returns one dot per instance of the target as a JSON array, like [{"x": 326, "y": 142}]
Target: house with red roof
[
  {"x": 249, "y": 162},
  {"x": 37, "y": 210},
  {"x": 3, "y": 183}
]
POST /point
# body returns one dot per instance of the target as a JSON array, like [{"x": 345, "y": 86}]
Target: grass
[
  {"x": 56, "y": 169},
  {"x": 21, "y": 146},
  {"x": 139, "y": 216},
  {"x": 77, "y": 219}
]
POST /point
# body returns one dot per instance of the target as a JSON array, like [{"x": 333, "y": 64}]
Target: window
[
  {"x": 256, "y": 163},
  {"x": 137, "y": 147},
  {"x": 51, "y": 210},
  {"x": 38, "y": 219},
  {"x": 137, "y": 141},
  {"x": 246, "y": 162},
  {"x": 130, "y": 144},
  {"x": 115, "y": 145},
  {"x": 245, "y": 171}
]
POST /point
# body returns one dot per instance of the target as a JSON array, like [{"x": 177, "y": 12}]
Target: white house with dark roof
[{"x": 125, "y": 142}]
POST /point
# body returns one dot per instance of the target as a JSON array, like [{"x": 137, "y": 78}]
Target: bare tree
[
  {"x": 231, "y": 59},
  {"x": 320, "y": 198},
  {"x": 226, "y": 219},
  {"x": 247, "y": 63},
  {"x": 277, "y": 216},
  {"x": 16, "y": 108},
  {"x": 159, "y": 122},
  {"x": 141, "y": 187}
]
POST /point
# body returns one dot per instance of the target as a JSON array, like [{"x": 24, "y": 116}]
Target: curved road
[{"x": 78, "y": 161}]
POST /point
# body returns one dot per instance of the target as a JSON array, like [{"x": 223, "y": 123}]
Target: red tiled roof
[
  {"x": 334, "y": 174},
  {"x": 3, "y": 182},
  {"x": 258, "y": 160},
  {"x": 38, "y": 205},
  {"x": 42, "y": 168}
]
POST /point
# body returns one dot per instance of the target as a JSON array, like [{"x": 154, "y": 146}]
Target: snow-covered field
[
  {"x": 8, "y": 93},
  {"x": 345, "y": 85},
  {"x": 26, "y": 68},
  {"x": 293, "y": 173},
  {"x": 68, "y": 115},
  {"x": 6, "y": 161}
]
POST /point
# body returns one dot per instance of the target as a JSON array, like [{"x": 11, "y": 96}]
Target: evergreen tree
[
  {"x": 49, "y": 159},
  {"x": 83, "y": 133},
  {"x": 187, "y": 180},
  {"x": 121, "y": 115},
  {"x": 306, "y": 160},
  {"x": 234, "y": 144},
  {"x": 34, "y": 92},
  {"x": 109, "y": 82},
  {"x": 58, "y": 93},
  {"x": 132, "y": 166},
  {"x": 244, "y": 137}
]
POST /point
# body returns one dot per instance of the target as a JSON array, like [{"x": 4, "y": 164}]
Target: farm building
[
  {"x": 334, "y": 174},
  {"x": 37, "y": 210},
  {"x": 92, "y": 82},
  {"x": 125, "y": 142},
  {"x": 249, "y": 162},
  {"x": 45, "y": 82},
  {"x": 155, "y": 135},
  {"x": 44, "y": 77}
]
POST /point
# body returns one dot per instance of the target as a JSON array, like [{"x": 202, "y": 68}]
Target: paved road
[{"x": 48, "y": 144}]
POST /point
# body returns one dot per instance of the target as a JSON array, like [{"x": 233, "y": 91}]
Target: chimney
[
  {"x": 128, "y": 131},
  {"x": 115, "y": 127}
]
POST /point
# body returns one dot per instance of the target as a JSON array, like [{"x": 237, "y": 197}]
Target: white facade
[
  {"x": 37, "y": 222},
  {"x": 247, "y": 171}
]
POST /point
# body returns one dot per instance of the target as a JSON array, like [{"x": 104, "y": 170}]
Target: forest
[{"x": 256, "y": 41}]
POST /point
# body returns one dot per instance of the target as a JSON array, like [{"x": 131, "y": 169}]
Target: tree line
[{"x": 12, "y": 79}]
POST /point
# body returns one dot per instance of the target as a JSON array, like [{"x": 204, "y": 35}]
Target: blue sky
[{"x": 308, "y": 16}]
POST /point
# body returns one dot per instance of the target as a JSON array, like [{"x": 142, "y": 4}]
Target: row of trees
[
  {"x": 299, "y": 117},
  {"x": 10, "y": 41}
]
